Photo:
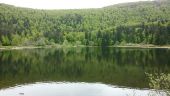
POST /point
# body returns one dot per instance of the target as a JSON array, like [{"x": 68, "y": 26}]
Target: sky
[{"x": 64, "y": 4}]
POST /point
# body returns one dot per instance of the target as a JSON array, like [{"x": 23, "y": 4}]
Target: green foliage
[
  {"x": 160, "y": 81},
  {"x": 41, "y": 42},
  {"x": 66, "y": 43},
  {"x": 143, "y": 22},
  {"x": 5, "y": 41},
  {"x": 16, "y": 39}
]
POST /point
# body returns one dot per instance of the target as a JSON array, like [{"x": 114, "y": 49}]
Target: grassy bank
[
  {"x": 27, "y": 47},
  {"x": 142, "y": 46},
  {"x": 64, "y": 46},
  {"x": 36, "y": 47}
]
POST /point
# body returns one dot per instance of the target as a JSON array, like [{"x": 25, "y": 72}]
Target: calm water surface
[{"x": 80, "y": 71}]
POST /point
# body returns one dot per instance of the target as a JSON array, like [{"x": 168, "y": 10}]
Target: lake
[{"x": 87, "y": 71}]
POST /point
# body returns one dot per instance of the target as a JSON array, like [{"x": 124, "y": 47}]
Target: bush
[
  {"x": 0, "y": 43},
  {"x": 159, "y": 81},
  {"x": 78, "y": 43},
  {"x": 16, "y": 40},
  {"x": 66, "y": 43},
  {"x": 5, "y": 41}
]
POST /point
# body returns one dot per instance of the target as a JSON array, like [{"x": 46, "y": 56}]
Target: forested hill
[{"x": 141, "y": 22}]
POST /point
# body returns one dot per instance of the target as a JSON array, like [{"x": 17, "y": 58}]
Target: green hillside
[{"x": 140, "y": 23}]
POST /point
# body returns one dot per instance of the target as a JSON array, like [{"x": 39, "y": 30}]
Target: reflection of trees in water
[{"x": 107, "y": 65}]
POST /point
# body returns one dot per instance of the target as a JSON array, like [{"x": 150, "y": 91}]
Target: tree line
[{"x": 140, "y": 23}]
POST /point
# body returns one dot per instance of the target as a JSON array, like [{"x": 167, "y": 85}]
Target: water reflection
[
  {"x": 74, "y": 89},
  {"x": 122, "y": 67}
]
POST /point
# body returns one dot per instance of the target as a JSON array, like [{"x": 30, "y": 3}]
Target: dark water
[{"x": 78, "y": 71}]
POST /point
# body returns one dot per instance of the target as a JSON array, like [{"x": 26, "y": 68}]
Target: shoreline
[
  {"x": 61, "y": 46},
  {"x": 26, "y": 47},
  {"x": 144, "y": 46}
]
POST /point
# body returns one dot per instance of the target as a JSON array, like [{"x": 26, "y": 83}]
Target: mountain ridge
[
  {"x": 112, "y": 5},
  {"x": 140, "y": 22}
]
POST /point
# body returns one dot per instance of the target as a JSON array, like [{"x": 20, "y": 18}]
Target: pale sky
[{"x": 64, "y": 4}]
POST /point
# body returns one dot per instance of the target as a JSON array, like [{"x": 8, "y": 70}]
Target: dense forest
[{"x": 145, "y": 22}]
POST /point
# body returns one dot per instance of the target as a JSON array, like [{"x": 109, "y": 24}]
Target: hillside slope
[{"x": 141, "y": 22}]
